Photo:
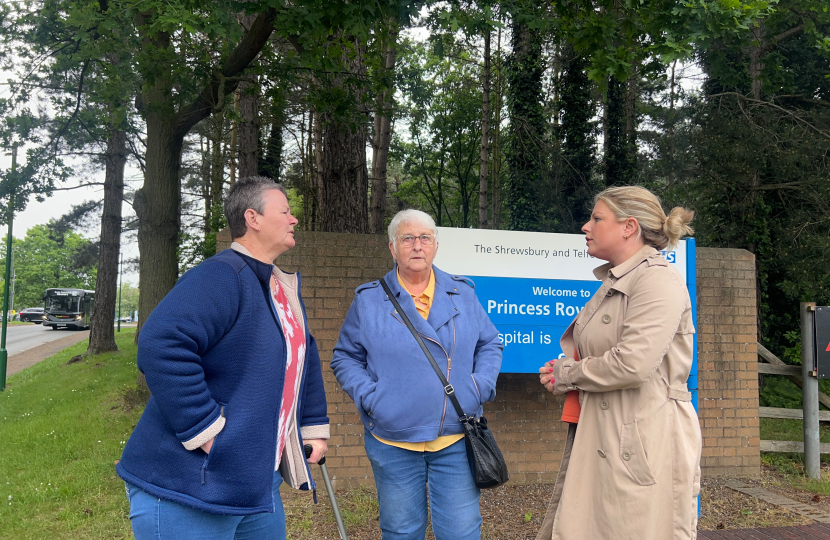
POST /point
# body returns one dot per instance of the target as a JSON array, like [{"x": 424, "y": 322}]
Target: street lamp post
[{"x": 4, "y": 354}]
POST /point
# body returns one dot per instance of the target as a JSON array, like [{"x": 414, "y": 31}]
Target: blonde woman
[{"x": 631, "y": 465}]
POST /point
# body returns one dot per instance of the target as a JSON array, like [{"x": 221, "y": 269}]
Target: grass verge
[
  {"x": 61, "y": 429},
  {"x": 791, "y": 465}
]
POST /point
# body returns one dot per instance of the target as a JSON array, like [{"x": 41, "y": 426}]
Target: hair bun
[{"x": 676, "y": 224}]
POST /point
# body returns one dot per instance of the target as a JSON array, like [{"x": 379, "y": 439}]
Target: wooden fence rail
[{"x": 776, "y": 366}]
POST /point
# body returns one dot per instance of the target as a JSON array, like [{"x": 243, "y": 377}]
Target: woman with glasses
[{"x": 413, "y": 437}]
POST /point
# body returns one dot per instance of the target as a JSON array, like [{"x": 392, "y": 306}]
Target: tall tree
[
  {"x": 484, "y": 158},
  {"x": 576, "y": 133},
  {"x": 169, "y": 117},
  {"x": 101, "y": 336},
  {"x": 527, "y": 126},
  {"x": 383, "y": 131},
  {"x": 77, "y": 52}
]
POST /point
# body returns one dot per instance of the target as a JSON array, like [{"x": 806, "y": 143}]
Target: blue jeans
[
  {"x": 401, "y": 477},
  {"x": 159, "y": 519}
]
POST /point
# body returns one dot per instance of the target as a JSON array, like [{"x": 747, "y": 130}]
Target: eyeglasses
[{"x": 408, "y": 240}]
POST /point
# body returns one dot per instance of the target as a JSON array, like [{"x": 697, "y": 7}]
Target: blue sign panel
[
  {"x": 531, "y": 285},
  {"x": 531, "y": 315}
]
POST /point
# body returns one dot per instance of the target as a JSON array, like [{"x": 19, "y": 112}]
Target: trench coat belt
[{"x": 679, "y": 393}]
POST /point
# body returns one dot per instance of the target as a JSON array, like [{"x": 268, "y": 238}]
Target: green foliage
[
  {"x": 443, "y": 100},
  {"x": 780, "y": 392},
  {"x": 71, "y": 64},
  {"x": 792, "y": 354},
  {"x": 618, "y": 36},
  {"x": 128, "y": 298},
  {"x": 42, "y": 260}
]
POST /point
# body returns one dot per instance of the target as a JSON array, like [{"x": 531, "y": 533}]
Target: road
[{"x": 22, "y": 337}]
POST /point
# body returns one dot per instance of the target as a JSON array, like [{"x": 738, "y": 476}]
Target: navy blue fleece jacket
[{"x": 214, "y": 347}]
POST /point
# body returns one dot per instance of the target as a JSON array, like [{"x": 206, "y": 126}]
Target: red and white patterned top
[{"x": 295, "y": 347}]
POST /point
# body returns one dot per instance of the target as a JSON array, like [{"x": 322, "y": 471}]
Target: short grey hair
[
  {"x": 244, "y": 194},
  {"x": 412, "y": 217}
]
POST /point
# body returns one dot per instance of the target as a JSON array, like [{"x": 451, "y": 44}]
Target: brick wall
[
  {"x": 524, "y": 416},
  {"x": 728, "y": 362}
]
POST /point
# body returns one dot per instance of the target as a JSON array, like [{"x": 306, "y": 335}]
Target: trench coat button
[
  {"x": 371, "y": 424},
  {"x": 626, "y": 456},
  {"x": 606, "y": 318},
  {"x": 456, "y": 290},
  {"x": 604, "y": 405},
  {"x": 601, "y": 453}
]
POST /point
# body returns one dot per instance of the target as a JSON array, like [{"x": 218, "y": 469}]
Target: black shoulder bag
[{"x": 486, "y": 462}]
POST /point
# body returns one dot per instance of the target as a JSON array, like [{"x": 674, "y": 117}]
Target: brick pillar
[{"x": 728, "y": 362}]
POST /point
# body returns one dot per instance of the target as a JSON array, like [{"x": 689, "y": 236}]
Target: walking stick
[{"x": 327, "y": 481}]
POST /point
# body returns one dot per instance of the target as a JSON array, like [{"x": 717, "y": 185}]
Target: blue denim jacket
[{"x": 380, "y": 365}]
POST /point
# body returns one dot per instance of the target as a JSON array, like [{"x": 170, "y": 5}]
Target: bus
[{"x": 68, "y": 308}]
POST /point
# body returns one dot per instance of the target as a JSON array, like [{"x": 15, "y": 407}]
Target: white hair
[{"x": 413, "y": 217}]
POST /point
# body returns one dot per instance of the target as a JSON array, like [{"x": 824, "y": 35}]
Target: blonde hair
[{"x": 656, "y": 229}]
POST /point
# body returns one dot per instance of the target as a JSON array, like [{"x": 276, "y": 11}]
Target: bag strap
[{"x": 448, "y": 389}]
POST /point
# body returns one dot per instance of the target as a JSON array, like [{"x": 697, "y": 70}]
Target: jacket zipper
[
  {"x": 449, "y": 368},
  {"x": 207, "y": 456}
]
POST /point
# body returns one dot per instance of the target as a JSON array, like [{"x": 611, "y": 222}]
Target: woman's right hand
[{"x": 546, "y": 375}]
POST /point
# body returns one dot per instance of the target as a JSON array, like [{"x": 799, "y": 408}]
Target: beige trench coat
[{"x": 631, "y": 468}]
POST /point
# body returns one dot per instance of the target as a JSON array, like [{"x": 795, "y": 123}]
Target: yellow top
[{"x": 422, "y": 304}]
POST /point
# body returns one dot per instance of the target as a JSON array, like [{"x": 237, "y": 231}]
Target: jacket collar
[
  {"x": 442, "y": 309},
  {"x": 643, "y": 254},
  {"x": 262, "y": 270}
]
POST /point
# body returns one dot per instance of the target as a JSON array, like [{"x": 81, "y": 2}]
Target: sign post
[{"x": 809, "y": 387}]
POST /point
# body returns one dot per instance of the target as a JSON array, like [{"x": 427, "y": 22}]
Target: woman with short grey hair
[{"x": 413, "y": 437}]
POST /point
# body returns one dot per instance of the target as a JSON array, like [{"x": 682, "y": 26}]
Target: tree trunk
[
  {"x": 157, "y": 206},
  {"x": 527, "y": 127},
  {"x": 618, "y": 167},
  {"x": 495, "y": 182},
  {"x": 102, "y": 333},
  {"x": 271, "y": 163},
  {"x": 670, "y": 126},
  {"x": 248, "y": 93},
  {"x": 248, "y": 143},
  {"x": 383, "y": 136},
  {"x": 485, "y": 136},
  {"x": 217, "y": 174},
  {"x": 206, "y": 151},
  {"x": 345, "y": 177},
  {"x": 577, "y": 142},
  {"x": 233, "y": 144},
  {"x": 756, "y": 67},
  {"x": 318, "y": 168},
  {"x": 631, "y": 95}
]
